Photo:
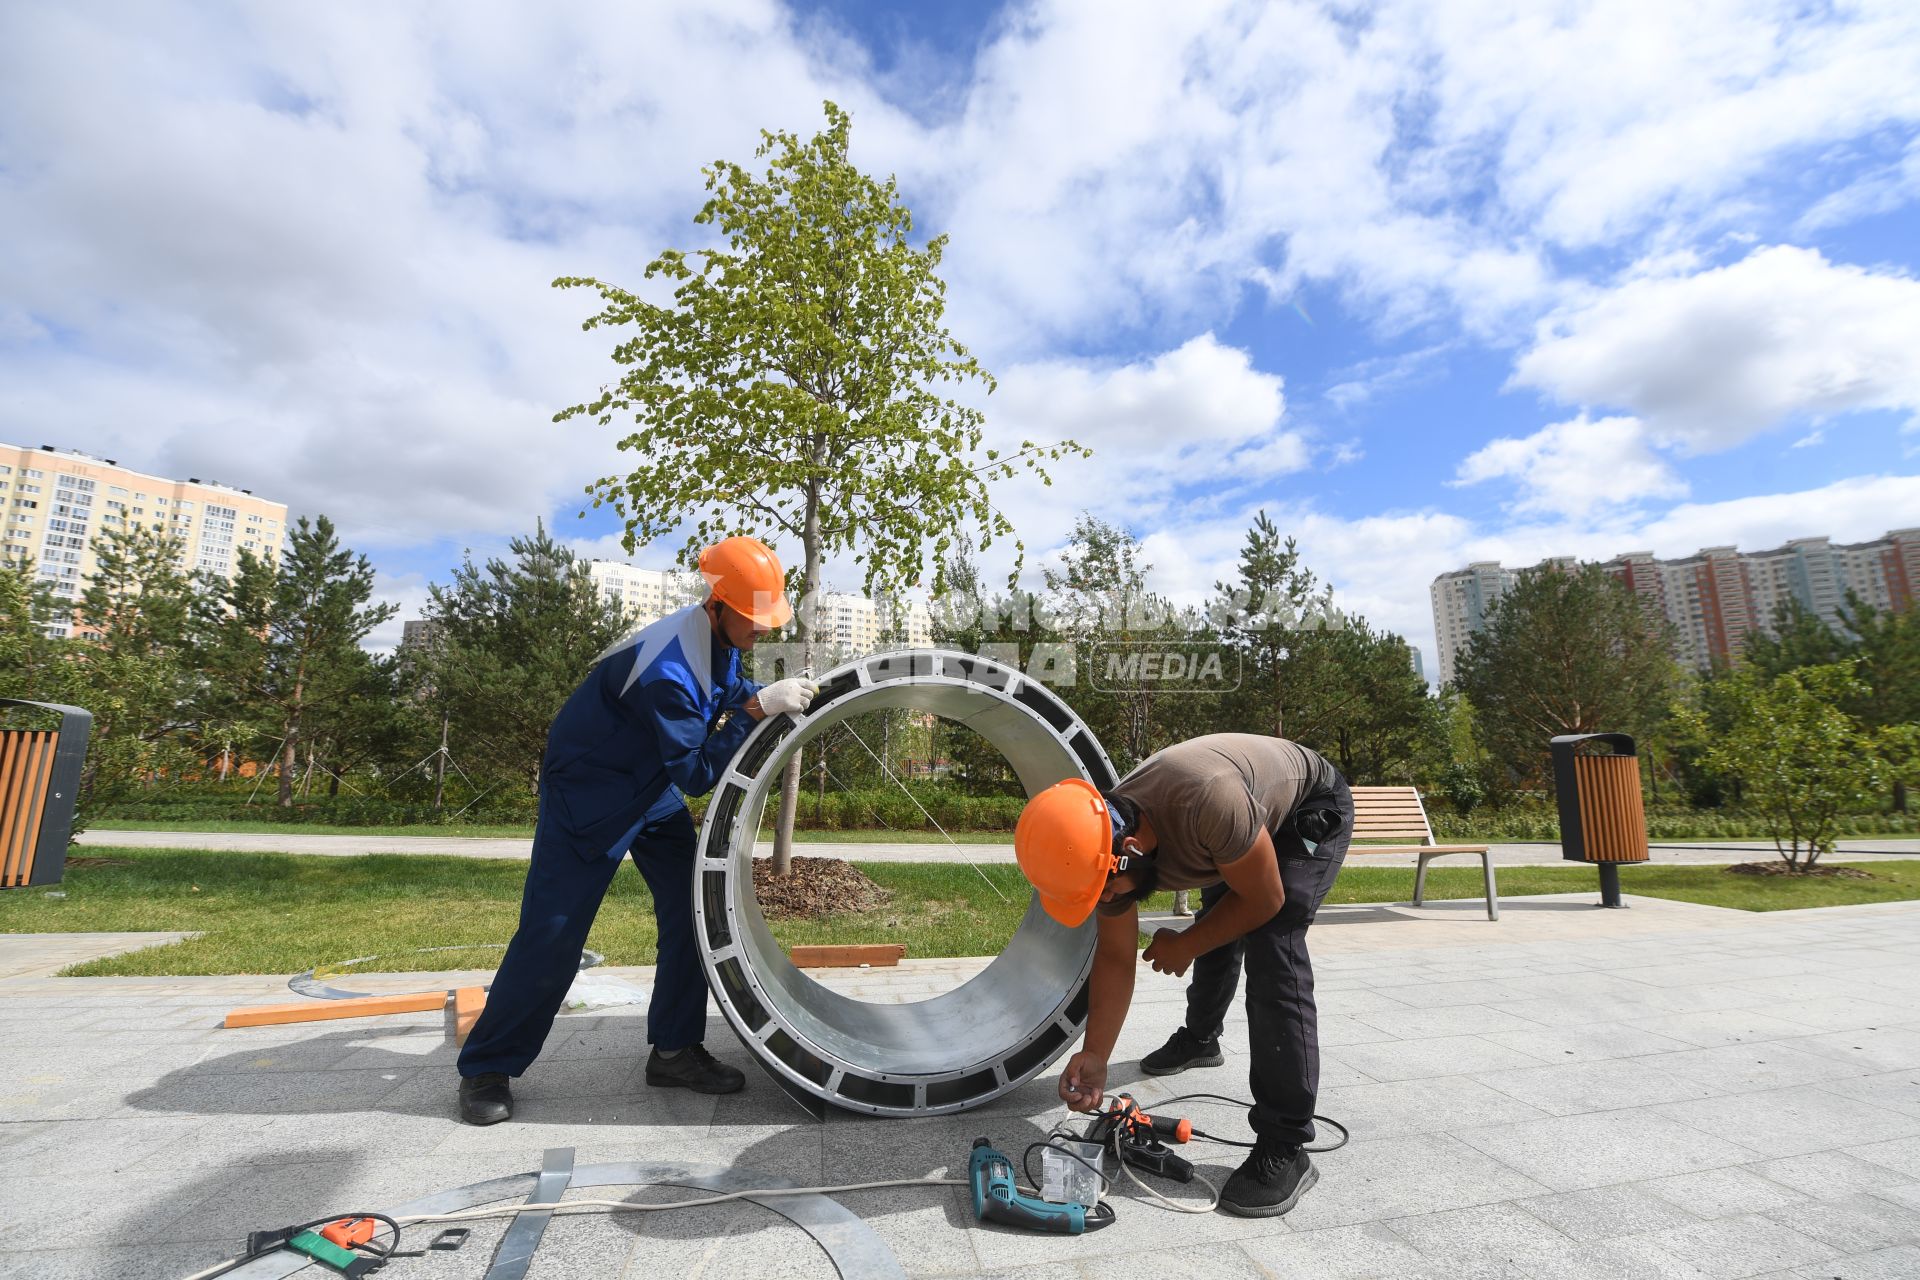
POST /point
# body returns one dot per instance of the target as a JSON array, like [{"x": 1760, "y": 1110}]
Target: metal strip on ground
[
  {"x": 522, "y": 1241},
  {"x": 853, "y": 1247}
]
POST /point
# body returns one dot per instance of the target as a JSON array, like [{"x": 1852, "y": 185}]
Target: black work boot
[
  {"x": 486, "y": 1098},
  {"x": 696, "y": 1069},
  {"x": 1183, "y": 1049},
  {"x": 1271, "y": 1182}
]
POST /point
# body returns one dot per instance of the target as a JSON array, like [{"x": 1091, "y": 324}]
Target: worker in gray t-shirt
[{"x": 1260, "y": 825}]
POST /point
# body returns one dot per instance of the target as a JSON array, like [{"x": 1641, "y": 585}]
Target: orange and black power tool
[{"x": 1142, "y": 1139}]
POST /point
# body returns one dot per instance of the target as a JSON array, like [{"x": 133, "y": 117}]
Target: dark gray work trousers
[{"x": 1282, "y": 1021}]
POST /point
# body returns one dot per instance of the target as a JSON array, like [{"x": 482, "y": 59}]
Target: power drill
[
  {"x": 997, "y": 1199},
  {"x": 1139, "y": 1138}
]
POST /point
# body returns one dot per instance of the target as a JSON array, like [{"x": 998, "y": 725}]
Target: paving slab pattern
[{"x": 1668, "y": 1091}]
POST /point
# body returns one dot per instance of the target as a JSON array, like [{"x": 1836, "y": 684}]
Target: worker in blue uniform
[{"x": 659, "y": 717}]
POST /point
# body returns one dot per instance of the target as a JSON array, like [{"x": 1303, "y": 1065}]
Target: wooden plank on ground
[
  {"x": 273, "y": 1015},
  {"x": 877, "y": 954},
  {"x": 467, "y": 1004}
]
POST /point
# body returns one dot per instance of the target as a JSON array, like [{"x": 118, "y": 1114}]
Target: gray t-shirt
[{"x": 1208, "y": 798}]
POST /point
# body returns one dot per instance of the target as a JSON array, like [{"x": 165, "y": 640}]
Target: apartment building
[
  {"x": 1715, "y": 598},
  {"x": 57, "y": 501},
  {"x": 849, "y": 624}
]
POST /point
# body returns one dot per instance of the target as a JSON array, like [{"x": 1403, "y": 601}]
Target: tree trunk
[
  {"x": 440, "y": 767},
  {"x": 293, "y": 732},
  {"x": 820, "y": 791},
  {"x": 284, "y": 792},
  {"x": 804, "y": 618},
  {"x": 1899, "y": 796}
]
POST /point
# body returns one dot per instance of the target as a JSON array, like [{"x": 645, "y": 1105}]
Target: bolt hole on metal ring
[{"x": 956, "y": 1050}]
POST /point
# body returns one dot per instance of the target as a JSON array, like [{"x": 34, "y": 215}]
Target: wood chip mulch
[
  {"x": 1779, "y": 868},
  {"x": 813, "y": 888}
]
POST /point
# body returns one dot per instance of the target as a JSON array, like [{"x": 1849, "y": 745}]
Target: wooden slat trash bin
[
  {"x": 39, "y": 783},
  {"x": 1603, "y": 821}
]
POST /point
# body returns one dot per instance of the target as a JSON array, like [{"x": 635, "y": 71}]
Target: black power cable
[{"x": 1242, "y": 1102}]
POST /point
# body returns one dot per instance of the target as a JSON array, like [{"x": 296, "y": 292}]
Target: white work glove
[{"x": 788, "y": 697}]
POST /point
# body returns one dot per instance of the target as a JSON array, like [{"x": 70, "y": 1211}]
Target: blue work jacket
[{"x": 657, "y": 717}]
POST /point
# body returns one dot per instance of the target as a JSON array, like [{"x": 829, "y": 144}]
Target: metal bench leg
[
  {"x": 1493, "y": 894},
  {"x": 1420, "y": 881}
]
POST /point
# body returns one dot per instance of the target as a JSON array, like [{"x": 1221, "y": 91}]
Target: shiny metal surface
[{"x": 956, "y": 1050}]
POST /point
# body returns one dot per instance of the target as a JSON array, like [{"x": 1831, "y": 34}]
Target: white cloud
[
  {"x": 1201, "y": 407},
  {"x": 309, "y": 250},
  {"x": 1573, "y": 468},
  {"x": 1880, "y": 190},
  {"x": 1605, "y": 118},
  {"x": 1710, "y": 359}
]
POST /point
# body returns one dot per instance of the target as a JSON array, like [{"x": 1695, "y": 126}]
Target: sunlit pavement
[{"x": 1669, "y": 1090}]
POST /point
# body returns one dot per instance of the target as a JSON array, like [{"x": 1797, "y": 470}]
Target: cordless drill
[
  {"x": 996, "y": 1198},
  {"x": 1139, "y": 1137}
]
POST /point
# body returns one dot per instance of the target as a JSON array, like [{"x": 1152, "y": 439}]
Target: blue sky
[{"x": 1429, "y": 282}]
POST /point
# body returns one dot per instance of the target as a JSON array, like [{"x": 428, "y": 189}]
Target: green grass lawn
[{"x": 281, "y": 913}]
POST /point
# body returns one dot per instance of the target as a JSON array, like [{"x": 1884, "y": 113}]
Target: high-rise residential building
[
  {"x": 1715, "y": 598},
  {"x": 645, "y": 594},
  {"x": 57, "y": 501},
  {"x": 849, "y": 624}
]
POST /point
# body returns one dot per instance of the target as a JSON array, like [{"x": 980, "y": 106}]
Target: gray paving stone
[
  {"x": 1791, "y": 1122},
  {"x": 1420, "y": 1106},
  {"x": 114, "y": 1262},
  {"x": 1567, "y": 1153},
  {"x": 1728, "y": 1247},
  {"x": 1504, "y": 1241},
  {"x": 1747, "y": 1068},
  {"x": 1586, "y": 1044},
  {"x": 1723, "y": 1026},
  {"x": 1852, "y": 1224},
  {"x": 1452, "y": 993},
  {"x": 1392, "y": 1178},
  {"x": 1601, "y": 1213},
  {"x": 1447, "y": 1020},
  {"x": 1444, "y": 1056},
  {"x": 1902, "y": 1155},
  {"x": 1904, "y": 1193},
  {"x": 1338, "y": 1029},
  {"x": 929, "y": 1229},
  {"x": 1338, "y": 1253},
  {"x": 1722, "y": 1193},
  {"x": 1895, "y": 1090},
  {"x": 1610, "y": 1085},
  {"x": 1826, "y": 1174},
  {"x": 1871, "y": 1048},
  {"x": 1843, "y": 1014},
  {"x": 1199, "y": 1262},
  {"x": 44, "y": 1212},
  {"x": 196, "y": 1092},
  {"x": 1902, "y": 1263}
]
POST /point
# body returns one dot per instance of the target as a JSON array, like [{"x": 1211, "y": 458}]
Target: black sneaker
[
  {"x": 486, "y": 1098},
  {"x": 696, "y": 1069},
  {"x": 1183, "y": 1049},
  {"x": 1271, "y": 1182}
]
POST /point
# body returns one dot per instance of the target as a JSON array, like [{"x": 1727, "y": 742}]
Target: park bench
[{"x": 1396, "y": 814}]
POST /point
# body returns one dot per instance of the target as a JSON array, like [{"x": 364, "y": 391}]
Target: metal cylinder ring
[{"x": 956, "y": 1050}]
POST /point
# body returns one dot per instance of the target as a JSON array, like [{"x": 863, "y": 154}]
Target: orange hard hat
[
  {"x": 745, "y": 576},
  {"x": 1064, "y": 843}
]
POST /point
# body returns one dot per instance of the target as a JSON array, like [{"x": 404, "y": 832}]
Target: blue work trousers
[{"x": 557, "y": 908}]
